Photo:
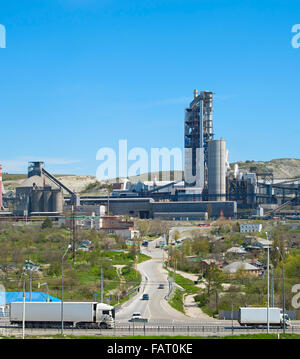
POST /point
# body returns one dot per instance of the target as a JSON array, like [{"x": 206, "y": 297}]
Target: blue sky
[{"x": 78, "y": 75}]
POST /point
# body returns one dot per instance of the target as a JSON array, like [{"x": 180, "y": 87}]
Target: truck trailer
[
  {"x": 75, "y": 314},
  {"x": 257, "y": 317}
]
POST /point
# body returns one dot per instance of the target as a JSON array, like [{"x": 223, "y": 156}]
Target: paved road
[{"x": 156, "y": 309}]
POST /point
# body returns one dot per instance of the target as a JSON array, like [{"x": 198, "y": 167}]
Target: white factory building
[{"x": 250, "y": 227}]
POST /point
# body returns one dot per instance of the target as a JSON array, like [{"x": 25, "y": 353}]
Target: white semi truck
[
  {"x": 75, "y": 314},
  {"x": 257, "y": 317}
]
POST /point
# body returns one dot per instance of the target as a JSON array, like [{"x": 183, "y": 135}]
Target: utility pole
[
  {"x": 283, "y": 290},
  {"x": 62, "y": 289},
  {"x": 272, "y": 281},
  {"x": 268, "y": 284},
  {"x": 74, "y": 232},
  {"x": 283, "y": 296},
  {"x": 23, "y": 310},
  {"x": 101, "y": 286},
  {"x": 30, "y": 284}
]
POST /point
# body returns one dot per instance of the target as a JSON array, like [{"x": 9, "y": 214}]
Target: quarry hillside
[{"x": 282, "y": 168}]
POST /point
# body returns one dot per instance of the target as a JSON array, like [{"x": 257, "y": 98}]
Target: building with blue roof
[{"x": 7, "y": 297}]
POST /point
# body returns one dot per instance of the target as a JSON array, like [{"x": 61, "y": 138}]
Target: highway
[
  {"x": 157, "y": 310},
  {"x": 162, "y": 319}
]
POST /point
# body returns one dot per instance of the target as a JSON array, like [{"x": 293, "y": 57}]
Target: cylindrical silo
[
  {"x": 217, "y": 170},
  {"x": 36, "y": 200},
  {"x": 57, "y": 201},
  {"x": 47, "y": 205}
]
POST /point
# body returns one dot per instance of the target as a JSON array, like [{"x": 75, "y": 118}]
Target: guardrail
[{"x": 134, "y": 329}]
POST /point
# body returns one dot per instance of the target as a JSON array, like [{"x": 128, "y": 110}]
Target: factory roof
[{"x": 39, "y": 181}]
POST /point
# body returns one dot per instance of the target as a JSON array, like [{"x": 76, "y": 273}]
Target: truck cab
[
  {"x": 105, "y": 315},
  {"x": 286, "y": 320}
]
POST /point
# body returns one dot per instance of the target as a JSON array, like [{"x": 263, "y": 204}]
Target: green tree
[
  {"x": 292, "y": 267},
  {"x": 47, "y": 223},
  {"x": 200, "y": 245}
]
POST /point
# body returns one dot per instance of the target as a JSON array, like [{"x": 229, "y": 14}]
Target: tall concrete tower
[
  {"x": 217, "y": 154},
  {"x": 198, "y": 131}
]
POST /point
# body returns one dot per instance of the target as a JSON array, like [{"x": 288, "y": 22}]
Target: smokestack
[
  {"x": 195, "y": 93},
  {"x": 1, "y": 186}
]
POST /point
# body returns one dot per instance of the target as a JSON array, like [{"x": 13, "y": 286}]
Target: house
[
  {"x": 259, "y": 243},
  {"x": 85, "y": 246},
  {"x": 29, "y": 265},
  {"x": 236, "y": 250},
  {"x": 250, "y": 227},
  {"x": 206, "y": 264},
  {"x": 118, "y": 226},
  {"x": 234, "y": 267}
]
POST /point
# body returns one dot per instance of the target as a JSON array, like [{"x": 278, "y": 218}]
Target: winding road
[{"x": 156, "y": 310}]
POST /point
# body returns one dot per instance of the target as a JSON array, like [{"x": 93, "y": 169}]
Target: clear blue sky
[{"x": 78, "y": 75}]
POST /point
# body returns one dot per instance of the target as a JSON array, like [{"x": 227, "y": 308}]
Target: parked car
[
  {"x": 161, "y": 286},
  {"x": 145, "y": 297}
]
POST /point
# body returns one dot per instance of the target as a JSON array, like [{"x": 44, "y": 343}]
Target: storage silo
[
  {"x": 57, "y": 201},
  {"x": 217, "y": 170},
  {"x": 47, "y": 205},
  {"x": 36, "y": 200}
]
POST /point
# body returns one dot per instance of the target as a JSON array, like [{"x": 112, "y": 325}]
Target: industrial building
[
  {"x": 149, "y": 208},
  {"x": 209, "y": 187},
  {"x": 40, "y": 194}
]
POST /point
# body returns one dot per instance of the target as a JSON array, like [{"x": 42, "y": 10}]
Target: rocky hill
[{"x": 282, "y": 168}]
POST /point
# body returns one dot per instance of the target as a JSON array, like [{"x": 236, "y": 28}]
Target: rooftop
[{"x": 236, "y": 266}]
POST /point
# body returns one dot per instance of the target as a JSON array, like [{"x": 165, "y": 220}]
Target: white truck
[
  {"x": 75, "y": 314},
  {"x": 257, "y": 317}
]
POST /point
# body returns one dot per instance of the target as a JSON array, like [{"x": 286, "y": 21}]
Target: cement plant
[
  {"x": 213, "y": 254},
  {"x": 209, "y": 188}
]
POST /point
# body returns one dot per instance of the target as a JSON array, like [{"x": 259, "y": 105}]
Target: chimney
[{"x": 195, "y": 93}]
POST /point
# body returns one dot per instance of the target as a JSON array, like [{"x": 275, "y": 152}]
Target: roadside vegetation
[
  {"x": 42, "y": 247},
  {"x": 177, "y": 300},
  {"x": 205, "y": 253}
]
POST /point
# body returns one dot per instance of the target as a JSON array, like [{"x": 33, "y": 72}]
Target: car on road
[
  {"x": 136, "y": 315},
  {"x": 145, "y": 297},
  {"x": 161, "y": 286}
]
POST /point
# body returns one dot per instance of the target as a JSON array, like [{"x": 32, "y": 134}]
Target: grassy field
[
  {"x": 81, "y": 277},
  {"x": 177, "y": 300},
  {"x": 187, "y": 284}
]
